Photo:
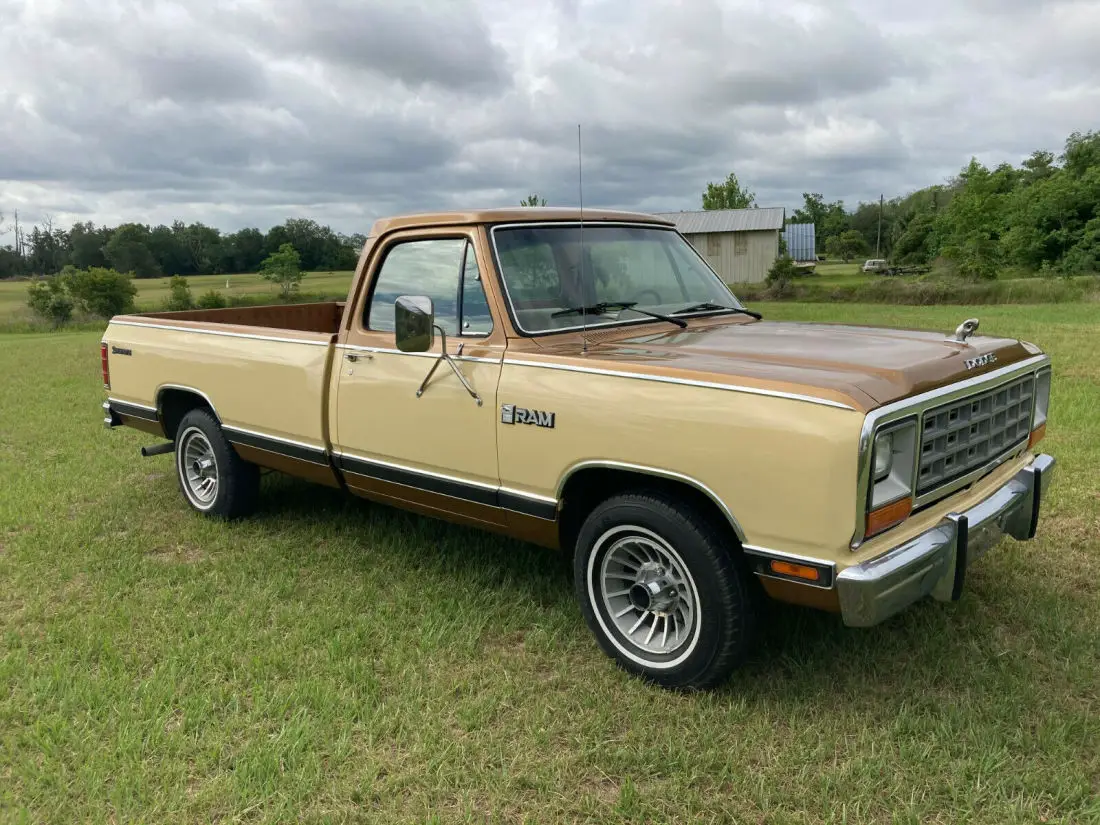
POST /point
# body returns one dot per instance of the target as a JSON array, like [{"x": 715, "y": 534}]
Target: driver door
[{"x": 435, "y": 453}]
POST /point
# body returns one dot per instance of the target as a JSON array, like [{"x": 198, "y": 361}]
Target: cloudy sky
[{"x": 246, "y": 112}]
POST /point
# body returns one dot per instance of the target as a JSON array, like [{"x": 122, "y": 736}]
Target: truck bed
[
  {"x": 323, "y": 317},
  {"x": 263, "y": 368}
]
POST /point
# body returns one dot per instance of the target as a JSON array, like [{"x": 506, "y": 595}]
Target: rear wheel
[
  {"x": 661, "y": 591},
  {"x": 213, "y": 478}
]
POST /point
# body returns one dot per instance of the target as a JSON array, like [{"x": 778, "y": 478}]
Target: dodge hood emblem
[{"x": 966, "y": 329}]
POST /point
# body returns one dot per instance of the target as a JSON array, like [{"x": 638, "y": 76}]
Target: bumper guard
[{"x": 935, "y": 562}]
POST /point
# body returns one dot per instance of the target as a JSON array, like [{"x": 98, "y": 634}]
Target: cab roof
[{"x": 517, "y": 214}]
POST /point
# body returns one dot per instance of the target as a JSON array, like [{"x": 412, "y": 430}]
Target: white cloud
[{"x": 250, "y": 112}]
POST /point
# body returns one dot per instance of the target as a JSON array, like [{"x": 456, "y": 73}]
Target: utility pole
[{"x": 878, "y": 241}]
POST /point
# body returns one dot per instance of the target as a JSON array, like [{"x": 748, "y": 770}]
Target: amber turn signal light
[
  {"x": 886, "y": 517},
  {"x": 799, "y": 571},
  {"x": 1037, "y": 435}
]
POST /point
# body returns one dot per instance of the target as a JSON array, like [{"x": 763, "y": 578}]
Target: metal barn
[{"x": 739, "y": 244}]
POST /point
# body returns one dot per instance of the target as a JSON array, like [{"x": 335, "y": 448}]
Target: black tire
[
  {"x": 668, "y": 533},
  {"x": 226, "y": 488}
]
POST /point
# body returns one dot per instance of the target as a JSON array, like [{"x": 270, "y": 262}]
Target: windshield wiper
[
  {"x": 706, "y": 305},
  {"x": 604, "y": 307}
]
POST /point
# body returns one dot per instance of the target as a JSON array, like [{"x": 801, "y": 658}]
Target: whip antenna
[{"x": 580, "y": 196}]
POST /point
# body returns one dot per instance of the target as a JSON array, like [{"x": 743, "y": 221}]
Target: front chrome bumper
[{"x": 935, "y": 562}]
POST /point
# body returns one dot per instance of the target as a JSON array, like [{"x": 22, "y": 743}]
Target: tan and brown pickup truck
[{"x": 596, "y": 387}]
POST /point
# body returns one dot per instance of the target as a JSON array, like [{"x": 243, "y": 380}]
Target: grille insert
[{"x": 964, "y": 435}]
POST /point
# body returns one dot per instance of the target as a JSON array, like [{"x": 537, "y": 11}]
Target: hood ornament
[{"x": 966, "y": 329}]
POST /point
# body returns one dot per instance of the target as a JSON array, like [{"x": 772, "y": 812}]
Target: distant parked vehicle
[{"x": 882, "y": 268}]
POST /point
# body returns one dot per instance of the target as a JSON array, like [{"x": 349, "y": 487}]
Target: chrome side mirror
[{"x": 414, "y": 323}]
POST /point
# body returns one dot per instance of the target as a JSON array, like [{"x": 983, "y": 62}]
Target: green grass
[
  {"x": 153, "y": 292},
  {"x": 333, "y": 661},
  {"x": 830, "y": 273}
]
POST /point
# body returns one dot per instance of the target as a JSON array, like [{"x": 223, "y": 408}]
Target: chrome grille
[{"x": 964, "y": 435}]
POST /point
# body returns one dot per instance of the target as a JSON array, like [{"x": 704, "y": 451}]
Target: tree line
[
  {"x": 179, "y": 249},
  {"x": 1043, "y": 215}
]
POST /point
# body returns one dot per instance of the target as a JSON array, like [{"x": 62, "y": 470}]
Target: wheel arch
[
  {"x": 174, "y": 401},
  {"x": 584, "y": 485}
]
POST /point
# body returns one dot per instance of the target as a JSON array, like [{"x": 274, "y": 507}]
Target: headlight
[
  {"x": 893, "y": 464},
  {"x": 884, "y": 455},
  {"x": 1042, "y": 399}
]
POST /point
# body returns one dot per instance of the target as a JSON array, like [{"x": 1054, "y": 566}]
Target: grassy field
[
  {"x": 333, "y": 661},
  {"x": 829, "y": 273},
  {"x": 153, "y": 292}
]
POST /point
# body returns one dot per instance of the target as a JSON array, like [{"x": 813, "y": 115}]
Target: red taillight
[{"x": 106, "y": 369}]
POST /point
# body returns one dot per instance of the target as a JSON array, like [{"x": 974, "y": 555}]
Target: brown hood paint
[{"x": 867, "y": 364}]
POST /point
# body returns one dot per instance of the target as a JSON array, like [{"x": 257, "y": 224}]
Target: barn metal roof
[
  {"x": 727, "y": 220},
  {"x": 800, "y": 238}
]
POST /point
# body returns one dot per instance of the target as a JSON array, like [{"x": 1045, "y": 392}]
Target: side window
[
  {"x": 427, "y": 268},
  {"x": 476, "y": 317},
  {"x": 445, "y": 270}
]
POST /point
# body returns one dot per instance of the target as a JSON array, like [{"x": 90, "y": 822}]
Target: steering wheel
[{"x": 657, "y": 297}]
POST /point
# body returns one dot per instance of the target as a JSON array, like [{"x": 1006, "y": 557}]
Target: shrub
[
  {"x": 783, "y": 270},
  {"x": 98, "y": 291},
  {"x": 47, "y": 299},
  {"x": 179, "y": 294},
  {"x": 211, "y": 300}
]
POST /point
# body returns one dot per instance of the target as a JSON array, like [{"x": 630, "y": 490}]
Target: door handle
[{"x": 357, "y": 356}]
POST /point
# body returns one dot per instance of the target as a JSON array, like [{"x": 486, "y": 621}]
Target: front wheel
[
  {"x": 213, "y": 478},
  {"x": 662, "y": 592}
]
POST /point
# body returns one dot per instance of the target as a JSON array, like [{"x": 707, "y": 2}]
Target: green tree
[
  {"x": 128, "y": 251},
  {"x": 1039, "y": 166},
  {"x": 829, "y": 219},
  {"x": 87, "y": 245},
  {"x": 48, "y": 248},
  {"x": 201, "y": 247},
  {"x": 1084, "y": 257},
  {"x": 912, "y": 244},
  {"x": 968, "y": 232},
  {"x": 319, "y": 247},
  {"x": 179, "y": 294},
  {"x": 533, "y": 200},
  {"x": 975, "y": 255},
  {"x": 167, "y": 250},
  {"x": 243, "y": 251},
  {"x": 283, "y": 268},
  {"x": 728, "y": 194},
  {"x": 1082, "y": 152},
  {"x": 847, "y": 245}
]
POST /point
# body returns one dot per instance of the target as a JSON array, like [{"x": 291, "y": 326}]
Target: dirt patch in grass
[
  {"x": 179, "y": 554},
  {"x": 603, "y": 789},
  {"x": 512, "y": 644}
]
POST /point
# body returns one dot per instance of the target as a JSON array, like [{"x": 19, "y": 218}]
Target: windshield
[{"x": 652, "y": 269}]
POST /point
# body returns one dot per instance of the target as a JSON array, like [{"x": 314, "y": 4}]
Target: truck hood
[{"x": 864, "y": 363}]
